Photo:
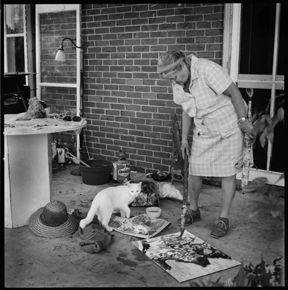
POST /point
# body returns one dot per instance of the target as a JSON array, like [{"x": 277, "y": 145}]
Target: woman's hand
[
  {"x": 246, "y": 126},
  {"x": 184, "y": 148}
]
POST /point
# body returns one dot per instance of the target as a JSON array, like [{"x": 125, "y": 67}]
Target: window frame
[
  {"x": 23, "y": 34},
  {"x": 41, "y": 8},
  {"x": 231, "y": 47}
]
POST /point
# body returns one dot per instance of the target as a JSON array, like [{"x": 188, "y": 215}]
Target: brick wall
[{"x": 126, "y": 104}]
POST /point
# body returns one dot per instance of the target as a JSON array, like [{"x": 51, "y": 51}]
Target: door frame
[
  {"x": 230, "y": 62},
  {"x": 46, "y": 8}
]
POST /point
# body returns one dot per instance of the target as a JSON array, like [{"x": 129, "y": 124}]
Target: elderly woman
[{"x": 211, "y": 100}]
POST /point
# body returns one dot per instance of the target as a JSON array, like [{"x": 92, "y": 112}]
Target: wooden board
[{"x": 187, "y": 258}]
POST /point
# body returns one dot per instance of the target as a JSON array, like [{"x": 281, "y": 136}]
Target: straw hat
[{"x": 53, "y": 221}]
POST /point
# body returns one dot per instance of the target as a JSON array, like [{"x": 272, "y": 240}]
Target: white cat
[{"x": 109, "y": 200}]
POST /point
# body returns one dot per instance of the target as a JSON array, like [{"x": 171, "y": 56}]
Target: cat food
[{"x": 121, "y": 171}]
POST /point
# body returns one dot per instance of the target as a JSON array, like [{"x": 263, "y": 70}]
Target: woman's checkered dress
[{"x": 217, "y": 140}]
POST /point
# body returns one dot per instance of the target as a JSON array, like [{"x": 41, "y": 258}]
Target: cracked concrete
[{"x": 31, "y": 261}]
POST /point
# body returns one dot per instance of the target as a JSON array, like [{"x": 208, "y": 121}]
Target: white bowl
[{"x": 153, "y": 212}]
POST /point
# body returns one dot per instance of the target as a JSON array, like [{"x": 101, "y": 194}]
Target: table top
[{"x": 39, "y": 126}]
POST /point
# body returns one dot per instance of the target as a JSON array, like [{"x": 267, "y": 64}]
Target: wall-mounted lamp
[{"x": 60, "y": 55}]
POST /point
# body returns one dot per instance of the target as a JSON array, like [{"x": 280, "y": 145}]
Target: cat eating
[{"x": 109, "y": 200}]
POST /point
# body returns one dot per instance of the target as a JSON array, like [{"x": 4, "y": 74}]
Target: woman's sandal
[{"x": 190, "y": 218}]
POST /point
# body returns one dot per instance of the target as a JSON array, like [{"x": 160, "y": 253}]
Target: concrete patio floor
[{"x": 32, "y": 261}]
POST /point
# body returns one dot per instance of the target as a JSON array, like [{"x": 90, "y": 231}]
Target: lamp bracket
[{"x": 67, "y": 38}]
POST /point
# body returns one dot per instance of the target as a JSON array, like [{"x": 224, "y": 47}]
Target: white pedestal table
[{"x": 28, "y": 164}]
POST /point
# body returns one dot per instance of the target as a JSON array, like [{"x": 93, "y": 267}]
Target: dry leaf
[
  {"x": 262, "y": 138},
  {"x": 270, "y": 137},
  {"x": 268, "y": 119},
  {"x": 280, "y": 114}
]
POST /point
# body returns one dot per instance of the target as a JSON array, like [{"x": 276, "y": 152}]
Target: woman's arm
[
  {"x": 186, "y": 127},
  {"x": 233, "y": 92}
]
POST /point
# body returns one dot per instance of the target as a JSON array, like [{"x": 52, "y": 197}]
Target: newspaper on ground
[{"x": 140, "y": 226}]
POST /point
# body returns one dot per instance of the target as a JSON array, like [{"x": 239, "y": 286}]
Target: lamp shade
[{"x": 60, "y": 55}]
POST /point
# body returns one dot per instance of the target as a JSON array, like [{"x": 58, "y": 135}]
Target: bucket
[{"x": 99, "y": 172}]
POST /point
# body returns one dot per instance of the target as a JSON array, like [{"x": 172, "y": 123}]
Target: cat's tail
[{"x": 90, "y": 216}]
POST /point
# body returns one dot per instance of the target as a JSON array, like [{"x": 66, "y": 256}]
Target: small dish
[{"x": 153, "y": 212}]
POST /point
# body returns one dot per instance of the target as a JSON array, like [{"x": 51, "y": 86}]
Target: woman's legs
[
  {"x": 194, "y": 186},
  {"x": 228, "y": 193}
]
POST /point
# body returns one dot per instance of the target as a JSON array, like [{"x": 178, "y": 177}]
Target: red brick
[
  {"x": 136, "y": 133},
  {"x": 158, "y": 34},
  {"x": 143, "y": 127},
  {"x": 155, "y": 20},
  {"x": 123, "y": 9},
  {"x": 206, "y": 54},
  {"x": 132, "y": 28},
  {"x": 133, "y": 108},
  {"x": 213, "y": 32},
  {"x": 140, "y": 101},
  {"x": 145, "y": 152},
  {"x": 153, "y": 160},
  {"x": 194, "y": 18},
  {"x": 123, "y": 22},
  {"x": 166, "y": 12},
  {"x": 139, "y": 21},
  {"x": 131, "y": 15},
  {"x": 142, "y": 89},
  {"x": 113, "y": 136},
  {"x": 117, "y": 29},
  {"x": 141, "y": 48}
]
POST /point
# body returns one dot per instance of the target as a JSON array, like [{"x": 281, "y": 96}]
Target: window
[
  {"x": 15, "y": 39},
  {"x": 254, "y": 56}
]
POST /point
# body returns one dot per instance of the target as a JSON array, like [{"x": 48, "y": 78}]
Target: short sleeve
[{"x": 217, "y": 79}]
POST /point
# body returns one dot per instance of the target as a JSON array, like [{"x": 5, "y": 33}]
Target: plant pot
[{"x": 99, "y": 172}]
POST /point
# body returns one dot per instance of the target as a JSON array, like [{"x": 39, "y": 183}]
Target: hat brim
[
  {"x": 168, "y": 67},
  {"x": 41, "y": 230}
]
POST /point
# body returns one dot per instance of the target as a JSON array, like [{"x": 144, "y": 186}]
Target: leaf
[
  {"x": 250, "y": 92},
  {"x": 251, "y": 277},
  {"x": 280, "y": 114},
  {"x": 258, "y": 128},
  {"x": 254, "y": 185},
  {"x": 253, "y": 214},
  {"x": 262, "y": 190},
  {"x": 270, "y": 137},
  {"x": 274, "y": 120},
  {"x": 264, "y": 276},
  {"x": 268, "y": 119},
  {"x": 249, "y": 189},
  {"x": 259, "y": 180},
  {"x": 262, "y": 138},
  {"x": 276, "y": 260},
  {"x": 240, "y": 278},
  {"x": 256, "y": 117},
  {"x": 275, "y": 213},
  {"x": 269, "y": 129}
]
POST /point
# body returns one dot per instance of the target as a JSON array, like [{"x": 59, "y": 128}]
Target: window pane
[
  {"x": 257, "y": 38},
  {"x": 53, "y": 28},
  {"x": 283, "y": 42},
  {"x": 61, "y": 101},
  {"x": 14, "y": 19},
  {"x": 261, "y": 104},
  {"x": 15, "y": 54}
]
